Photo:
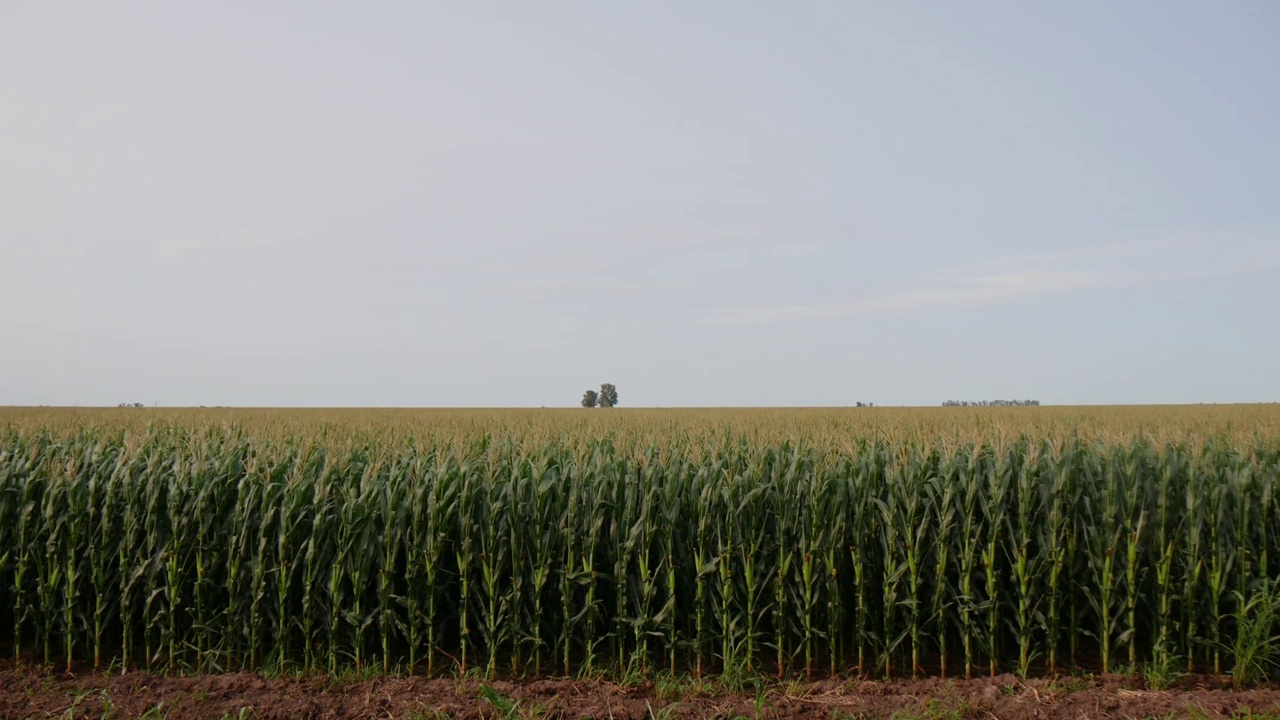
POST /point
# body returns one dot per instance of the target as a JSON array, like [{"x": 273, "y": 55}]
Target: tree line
[{"x": 988, "y": 403}]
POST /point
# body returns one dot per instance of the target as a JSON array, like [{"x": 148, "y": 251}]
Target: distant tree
[
  {"x": 590, "y": 399},
  {"x": 608, "y": 395},
  {"x": 990, "y": 403}
]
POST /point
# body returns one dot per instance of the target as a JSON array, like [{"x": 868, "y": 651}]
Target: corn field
[{"x": 952, "y": 542}]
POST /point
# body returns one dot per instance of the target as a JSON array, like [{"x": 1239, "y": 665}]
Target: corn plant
[{"x": 519, "y": 543}]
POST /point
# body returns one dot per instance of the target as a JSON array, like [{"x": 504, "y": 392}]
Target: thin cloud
[
  {"x": 536, "y": 346},
  {"x": 628, "y": 271},
  {"x": 573, "y": 253},
  {"x": 800, "y": 249},
  {"x": 966, "y": 292},
  {"x": 573, "y": 289},
  {"x": 1056, "y": 260},
  {"x": 1008, "y": 279},
  {"x": 182, "y": 248}
]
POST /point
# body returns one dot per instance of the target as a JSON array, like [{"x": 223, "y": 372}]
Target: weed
[
  {"x": 423, "y": 713},
  {"x": 735, "y": 677},
  {"x": 1257, "y": 648},
  {"x": 666, "y": 712},
  {"x": 797, "y": 688},
  {"x": 935, "y": 709},
  {"x": 761, "y": 699},
  {"x": 636, "y": 670},
  {"x": 1198, "y": 712},
  {"x": 1067, "y": 685},
  {"x": 161, "y": 712},
  {"x": 1162, "y": 675},
  {"x": 506, "y": 707},
  {"x": 76, "y": 698},
  {"x": 668, "y": 686}
]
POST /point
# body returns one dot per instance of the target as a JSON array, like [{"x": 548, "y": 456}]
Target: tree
[
  {"x": 990, "y": 403},
  {"x": 590, "y": 399},
  {"x": 608, "y": 395}
]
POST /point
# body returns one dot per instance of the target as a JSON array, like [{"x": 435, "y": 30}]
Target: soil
[{"x": 34, "y": 692}]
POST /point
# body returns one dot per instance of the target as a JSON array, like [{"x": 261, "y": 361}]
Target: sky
[{"x": 713, "y": 203}]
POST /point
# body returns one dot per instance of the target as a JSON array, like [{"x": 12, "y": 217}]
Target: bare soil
[{"x": 33, "y": 692}]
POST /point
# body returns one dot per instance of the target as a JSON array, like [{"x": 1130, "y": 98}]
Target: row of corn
[{"x": 215, "y": 550}]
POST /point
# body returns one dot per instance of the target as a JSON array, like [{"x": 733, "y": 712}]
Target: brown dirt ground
[{"x": 33, "y": 692}]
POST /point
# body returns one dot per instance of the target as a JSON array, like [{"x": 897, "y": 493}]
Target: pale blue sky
[{"x": 705, "y": 203}]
